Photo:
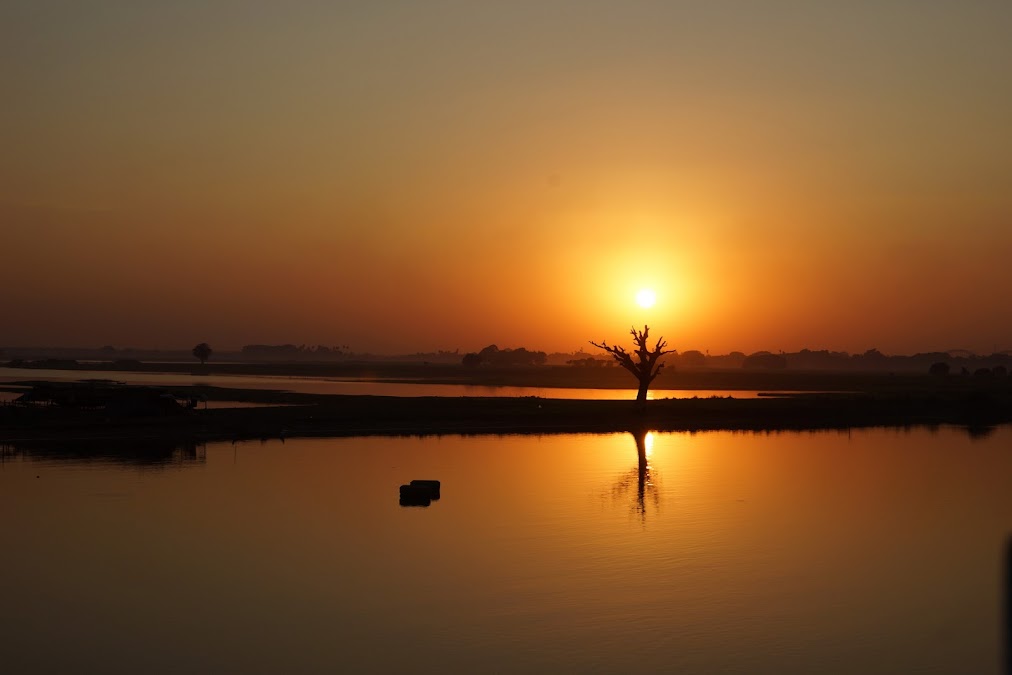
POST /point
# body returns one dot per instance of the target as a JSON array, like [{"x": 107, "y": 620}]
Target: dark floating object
[
  {"x": 431, "y": 485},
  {"x": 419, "y": 492},
  {"x": 415, "y": 495}
]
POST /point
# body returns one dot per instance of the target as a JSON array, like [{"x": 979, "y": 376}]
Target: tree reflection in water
[
  {"x": 643, "y": 478},
  {"x": 147, "y": 454},
  {"x": 1008, "y": 604}
]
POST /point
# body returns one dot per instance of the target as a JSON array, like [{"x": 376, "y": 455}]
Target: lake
[
  {"x": 874, "y": 551},
  {"x": 324, "y": 385}
]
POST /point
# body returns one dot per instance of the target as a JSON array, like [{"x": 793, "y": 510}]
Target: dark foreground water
[{"x": 871, "y": 552}]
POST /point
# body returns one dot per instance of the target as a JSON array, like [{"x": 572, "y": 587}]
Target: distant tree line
[
  {"x": 942, "y": 369},
  {"x": 493, "y": 356},
  {"x": 293, "y": 352},
  {"x": 590, "y": 362},
  {"x": 46, "y": 364},
  {"x": 937, "y": 363}
]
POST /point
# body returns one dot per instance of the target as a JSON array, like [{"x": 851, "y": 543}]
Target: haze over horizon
[
  {"x": 399, "y": 178},
  {"x": 220, "y": 351}
]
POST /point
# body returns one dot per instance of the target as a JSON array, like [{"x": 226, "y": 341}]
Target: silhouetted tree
[
  {"x": 493, "y": 356},
  {"x": 735, "y": 359},
  {"x": 645, "y": 367},
  {"x": 939, "y": 368},
  {"x": 488, "y": 354},
  {"x": 203, "y": 352}
]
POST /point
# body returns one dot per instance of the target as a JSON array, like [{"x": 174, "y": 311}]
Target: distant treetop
[
  {"x": 203, "y": 352},
  {"x": 493, "y": 356}
]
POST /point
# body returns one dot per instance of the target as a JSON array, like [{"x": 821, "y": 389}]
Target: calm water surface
[
  {"x": 322, "y": 385},
  {"x": 870, "y": 552}
]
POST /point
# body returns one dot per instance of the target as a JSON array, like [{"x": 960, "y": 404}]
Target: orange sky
[{"x": 400, "y": 178}]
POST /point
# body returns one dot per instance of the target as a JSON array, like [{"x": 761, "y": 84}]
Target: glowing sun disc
[{"x": 646, "y": 298}]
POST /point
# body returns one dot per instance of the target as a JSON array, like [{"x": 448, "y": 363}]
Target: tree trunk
[{"x": 641, "y": 395}]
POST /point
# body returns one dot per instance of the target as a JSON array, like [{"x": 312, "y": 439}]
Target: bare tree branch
[{"x": 646, "y": 366}]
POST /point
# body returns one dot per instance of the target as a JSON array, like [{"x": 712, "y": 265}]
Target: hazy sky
[{"x": 402, "y": 176}]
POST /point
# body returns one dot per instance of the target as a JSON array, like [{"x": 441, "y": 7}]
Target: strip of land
[
  {"x": 549, "y": 376},
  {"x": 976, "y": 409}
]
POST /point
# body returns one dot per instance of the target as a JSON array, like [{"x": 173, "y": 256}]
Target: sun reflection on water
[{"x": 641, "y": 481}]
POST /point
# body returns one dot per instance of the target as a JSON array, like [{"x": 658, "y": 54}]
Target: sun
[{"x": 646, "y": 298}]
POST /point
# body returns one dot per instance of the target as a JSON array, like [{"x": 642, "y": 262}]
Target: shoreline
[
  {"x": 547, "y": 377},
  {"x": 322, "y": 415}
]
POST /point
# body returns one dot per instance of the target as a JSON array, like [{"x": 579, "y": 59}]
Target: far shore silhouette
[{"x": 868, "y": 389}]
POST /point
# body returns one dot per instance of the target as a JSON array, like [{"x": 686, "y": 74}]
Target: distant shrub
[
  {"x": 202, "y": 352},
  {"x": 589, "y": 362},
  {"x": 939, "y": 369}
]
